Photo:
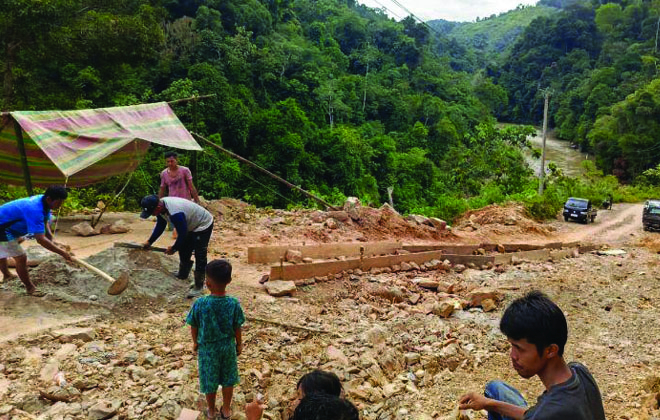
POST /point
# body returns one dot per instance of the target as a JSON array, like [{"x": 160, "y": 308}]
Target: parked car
[
  {"x": 579, "y": 209},
  {"x": 651, "y": 215}
]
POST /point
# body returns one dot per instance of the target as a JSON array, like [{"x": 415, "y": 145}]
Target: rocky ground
[{"x": 399, "y": 349}]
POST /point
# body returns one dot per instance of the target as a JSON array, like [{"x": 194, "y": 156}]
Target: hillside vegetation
[
  {"x": 600, "y": 64},
  {"x": 332, "y": 96},
  {"x": 342, "y": 100},
  {"x": 491, "y": 37}
]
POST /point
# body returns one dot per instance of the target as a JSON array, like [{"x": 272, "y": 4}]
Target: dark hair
[
  {"x": 537, "y": 319},
  {"x": 174, "y": 155},
  {"x": 56, "y": 192},
  {"x": 219, "y": 271},
  {"x": 325, "y": 407},
  {"x": 318, "y": 381}
]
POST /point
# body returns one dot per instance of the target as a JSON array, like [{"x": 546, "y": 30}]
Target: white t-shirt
[{"x": 197, "y": 217}]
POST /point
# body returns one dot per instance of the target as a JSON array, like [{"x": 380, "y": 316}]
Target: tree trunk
[
  {"x": 364, "y": 99},
  {"x": 8, "y": 83},
  {"x": 657, "y": 30}
]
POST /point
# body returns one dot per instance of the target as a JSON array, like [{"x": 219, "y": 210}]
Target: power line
[
  {"x": 398, "y": 3},
  {"x": 391, "y": 12}
]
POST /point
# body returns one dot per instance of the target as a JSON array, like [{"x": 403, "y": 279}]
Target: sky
[{"x": 454, "y": 10}]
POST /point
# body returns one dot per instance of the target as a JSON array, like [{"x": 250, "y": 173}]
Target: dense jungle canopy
[{"x": 345, "y": 101}]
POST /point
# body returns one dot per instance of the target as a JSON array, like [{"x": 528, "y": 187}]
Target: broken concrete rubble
[{"x": 280, "y": 288}]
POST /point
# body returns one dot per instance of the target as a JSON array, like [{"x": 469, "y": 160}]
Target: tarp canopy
[{"x": 86, "y": 146}]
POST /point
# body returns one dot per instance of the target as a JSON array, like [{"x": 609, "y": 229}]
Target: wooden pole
[
  {"x": 270, "y": 174},
  {"x": 24, "y": 163},
  {"x": 192, "y": 98},
  {"x": 545, "y": 135}
]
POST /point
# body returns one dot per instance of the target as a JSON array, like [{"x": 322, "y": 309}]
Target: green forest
[{"x": 343, "y": 100}]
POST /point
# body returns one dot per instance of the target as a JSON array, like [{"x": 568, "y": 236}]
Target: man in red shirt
[{"x": 177, "y": 180}]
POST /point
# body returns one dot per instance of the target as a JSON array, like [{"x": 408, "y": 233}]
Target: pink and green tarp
[{"x": 86, "y": 146}]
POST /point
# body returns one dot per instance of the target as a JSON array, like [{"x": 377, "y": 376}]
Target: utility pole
[{"x": 545, "y": 135}]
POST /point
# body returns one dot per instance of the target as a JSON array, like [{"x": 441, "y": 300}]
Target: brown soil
[{"x": 610, "y": 302}]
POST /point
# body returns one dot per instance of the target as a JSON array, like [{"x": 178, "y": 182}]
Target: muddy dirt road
[{"x": 612, "y": 227}]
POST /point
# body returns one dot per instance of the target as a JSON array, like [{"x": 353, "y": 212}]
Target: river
[{"x": 558, "y": 151}]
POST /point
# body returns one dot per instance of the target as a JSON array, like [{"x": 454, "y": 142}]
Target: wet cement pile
[{"x": 149, "y": 277}]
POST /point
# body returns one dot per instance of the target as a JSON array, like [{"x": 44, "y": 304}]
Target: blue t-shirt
[
  {"x": 216, "y": 318},
  {"x": 25, "y": 216}
]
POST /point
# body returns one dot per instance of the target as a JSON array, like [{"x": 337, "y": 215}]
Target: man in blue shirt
[{"x": 28, "y": 216}]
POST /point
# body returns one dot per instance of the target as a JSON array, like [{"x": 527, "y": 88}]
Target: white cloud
[{"x": 454, "y": 10}]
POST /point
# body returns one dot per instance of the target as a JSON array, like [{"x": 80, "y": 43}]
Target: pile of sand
[{"x": 149, "y": 277}]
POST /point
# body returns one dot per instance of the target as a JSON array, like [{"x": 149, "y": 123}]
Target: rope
[{"x": 263, "y": 185}]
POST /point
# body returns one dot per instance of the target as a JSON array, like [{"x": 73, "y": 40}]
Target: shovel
[
  {"x": 116, "y": 286},
  {"x": 132, "y": 245}
]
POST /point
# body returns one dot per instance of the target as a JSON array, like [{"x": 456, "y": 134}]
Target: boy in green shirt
[{"x": 215, "y": 322}]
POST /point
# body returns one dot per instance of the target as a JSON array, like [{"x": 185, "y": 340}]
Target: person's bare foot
[
  {"x": 34, "y": 292},
  {"x": 8, "y": 276}
]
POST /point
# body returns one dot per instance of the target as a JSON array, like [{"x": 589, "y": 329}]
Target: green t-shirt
[{"x": 216, "y": 318}]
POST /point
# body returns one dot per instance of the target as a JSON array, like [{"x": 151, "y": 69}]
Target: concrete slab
[
  {"x": 303, "y": 271},
  {"x": 489, "y": 247},
  {"x": 272, "y": 254},
  {"x": 536, "y": 255}
]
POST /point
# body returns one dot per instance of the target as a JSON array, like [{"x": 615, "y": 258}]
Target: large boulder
[
  {"x": 279, "y": 288},
  {"x": 293, "y": 256},
  {"x": 67, "y": 335},
  {"x": 438, "y": 223},
  {"x": 426, "y": 283},
  {"x": 85, "y": 229},
  {"x": 103, "y": 410},
  {"x": 419, "y": 220},
  {"x": 352, "y": 207},
  {"x": 478, "y": 296},
  {"x": 118, "y": 226}
]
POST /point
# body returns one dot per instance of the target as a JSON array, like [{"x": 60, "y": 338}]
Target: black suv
[
  {"x": 651, "y": 215},
  {"x": 579, "y": 209}
]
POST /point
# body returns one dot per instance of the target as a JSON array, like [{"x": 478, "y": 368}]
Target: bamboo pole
[
  {"x": 24, "y": 163},
  {"x": 270, "y": 174},
  {"x": 545, "y": 135},
  {"x": 175, "y": 102},
  {"x": 192, "y": 98}
]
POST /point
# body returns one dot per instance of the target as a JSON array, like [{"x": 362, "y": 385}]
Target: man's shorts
[{"x": 11, "y": 249}]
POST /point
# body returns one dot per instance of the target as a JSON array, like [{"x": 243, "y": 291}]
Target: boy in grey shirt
[{"x": 537, "y": 331}]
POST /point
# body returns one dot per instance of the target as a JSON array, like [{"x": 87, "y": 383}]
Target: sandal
[
  {"x": 222, "y": 415},
  {"x": 37, "y": 293}
]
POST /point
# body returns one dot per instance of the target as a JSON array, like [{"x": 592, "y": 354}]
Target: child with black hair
[
  {"x": 319, "y": 381},
  {"x": 322, "y": 406},
  {"x": 215, "y": 322}
]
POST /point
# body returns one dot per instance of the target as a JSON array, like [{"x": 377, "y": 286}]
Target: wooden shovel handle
[{"x": 93, "y": 269}]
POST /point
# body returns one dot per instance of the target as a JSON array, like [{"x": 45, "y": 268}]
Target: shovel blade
[{"x": 119, "y": 285}]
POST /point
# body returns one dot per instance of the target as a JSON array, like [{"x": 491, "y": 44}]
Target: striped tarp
[{"x": 87, "y": 146}]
